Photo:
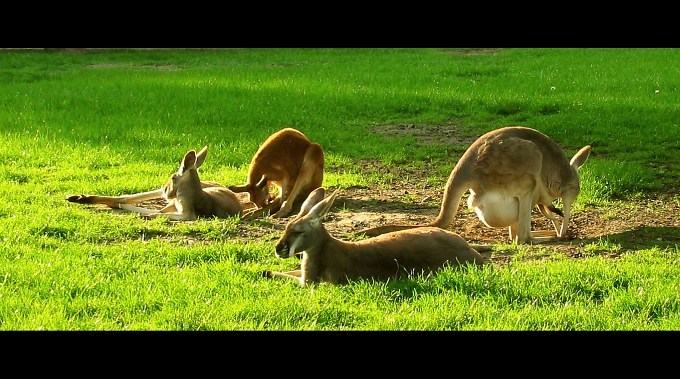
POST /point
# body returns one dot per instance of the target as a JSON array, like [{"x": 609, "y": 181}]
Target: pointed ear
[
  {"x": 312, "y": 199},
  {"x": 321, "y": 208},
  {"x": 200, "y": 156},
  {"x": 580, "y": 158},
  {"x": 188, "y": 162}
]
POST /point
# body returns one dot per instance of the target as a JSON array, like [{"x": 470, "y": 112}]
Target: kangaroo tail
[{"x": 453, "y": 192}]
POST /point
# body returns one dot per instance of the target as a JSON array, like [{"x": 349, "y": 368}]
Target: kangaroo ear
[
  {"x": 188, "y": 162},
  {"x": 321, "y": 208},
  {"x": 312, "y": 199},
  {"x": 580, "y": 158},
  {"x": 200, "y": 156}
]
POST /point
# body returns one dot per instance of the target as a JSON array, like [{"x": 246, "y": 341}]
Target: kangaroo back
[
  {"x": 508, "y": 172},
  {"x": 289, "y": 161},
  {"x": 391, "y": 255}
]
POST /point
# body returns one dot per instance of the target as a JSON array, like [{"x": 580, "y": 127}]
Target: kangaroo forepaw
[{"x": 267, "y": 274}]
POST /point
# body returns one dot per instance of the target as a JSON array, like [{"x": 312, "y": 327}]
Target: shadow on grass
[{"x": 643, "y": 238}]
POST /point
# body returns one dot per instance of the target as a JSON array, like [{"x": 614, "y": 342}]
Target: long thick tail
[
  {"x": 372, "y": 232},
  {"x": 453, "y": 192},
  {"x": 115, "y": 201},
  {"x": 456, "y": 186}
]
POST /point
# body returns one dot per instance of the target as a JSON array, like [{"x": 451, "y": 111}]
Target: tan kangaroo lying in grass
[
  {"x": 392, "y": 255},
  {"x": 289, "y": 161},
  {"x": 509, "y": 171},
  {"x": 188, "y": 197}
]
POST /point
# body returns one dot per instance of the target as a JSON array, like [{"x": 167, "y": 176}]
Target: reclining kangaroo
[
  {"x": 289, "y": 161},
  {"x": 392, "y": 255},
  {"x": 509, "y": 171},
  {"x": 188, "y": 197}
]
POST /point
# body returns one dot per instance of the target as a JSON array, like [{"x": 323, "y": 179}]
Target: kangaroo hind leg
[{"x": 308, "y": 179}]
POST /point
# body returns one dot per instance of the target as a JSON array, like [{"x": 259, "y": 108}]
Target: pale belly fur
[{"x": 495, "y": 209}]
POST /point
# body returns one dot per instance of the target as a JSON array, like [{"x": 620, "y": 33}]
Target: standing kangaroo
[
  {"x": 188, "y": 197},
  {"x": 509, "y": 171},
  {"x": 392, "y": 255},
  {"x": 289, "y": 161}
]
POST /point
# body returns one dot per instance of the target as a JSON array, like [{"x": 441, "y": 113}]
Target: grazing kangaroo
[
  {"x": 289, "y": 161},
  {"x": 392, "y": 255},
  {"x": 188, "y": 197},
  {"x": 509, "y": 171}
]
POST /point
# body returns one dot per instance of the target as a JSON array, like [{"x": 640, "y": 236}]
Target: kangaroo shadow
[{"x": 646, "y": 237}]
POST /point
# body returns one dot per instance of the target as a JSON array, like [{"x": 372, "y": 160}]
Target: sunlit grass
[{"x": 119, "y": 121}]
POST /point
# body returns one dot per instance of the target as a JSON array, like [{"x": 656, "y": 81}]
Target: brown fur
[
  {"x": 392, "y": 255},
  {"x": 289, "y": 161},
  {"x": 508, "y": 172},
  {"x": 188, "y": 197}
]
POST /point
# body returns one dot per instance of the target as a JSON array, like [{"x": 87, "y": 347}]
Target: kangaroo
[
  {"x": 508, "y": 171},
  {"x": 188, "y": 197},
  {"x": 289, "y": 161},
  {"x": 392, "y": 255}
]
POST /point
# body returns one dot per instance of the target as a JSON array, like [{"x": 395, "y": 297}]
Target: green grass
[{"x": 119, "y": 121}]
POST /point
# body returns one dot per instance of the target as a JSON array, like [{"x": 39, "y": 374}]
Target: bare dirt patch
[
  {"x": 633, "y": 224},
  {"x": 429, "y": 134}
]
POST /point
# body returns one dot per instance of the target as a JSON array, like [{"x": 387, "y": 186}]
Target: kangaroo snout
[{"x": 282, "y": 250}]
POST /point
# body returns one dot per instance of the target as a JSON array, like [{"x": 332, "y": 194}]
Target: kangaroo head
[
  {"x": 187, "y": 169},
  {"x": 576, "y": 162},
  {"x": 302, "y": 233},
  {"x": 259, "y": 193}
]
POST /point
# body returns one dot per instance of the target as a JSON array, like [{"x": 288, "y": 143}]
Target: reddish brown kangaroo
[{"x": 289, "y": 161}]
